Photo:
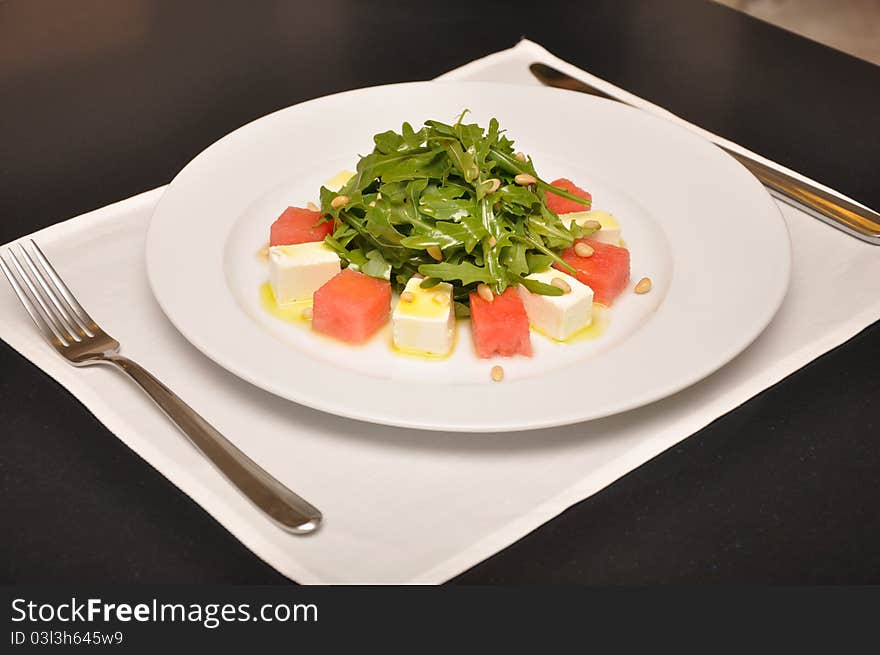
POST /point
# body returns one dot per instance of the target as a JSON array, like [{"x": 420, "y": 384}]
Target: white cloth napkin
[{"x": 404, "y": 506}]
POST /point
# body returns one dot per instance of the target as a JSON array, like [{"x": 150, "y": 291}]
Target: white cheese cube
[
  {"x": 298, "y": 270},
  {"x": 610, "y": 232},
  {"x": 558, "y": 317},
  {"x": 424, "y": 323},
  {"x": 338, "y": 181}
]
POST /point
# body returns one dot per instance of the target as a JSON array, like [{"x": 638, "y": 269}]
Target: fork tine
[
  {"x": 57, "y": 299},
  {"x": 87, "y": 321},
  {"x": 42, "y": 298},
  {"x": 32, "y": 308}
]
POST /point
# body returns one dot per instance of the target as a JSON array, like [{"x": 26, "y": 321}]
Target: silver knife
[{"x": 827, "y": 206}]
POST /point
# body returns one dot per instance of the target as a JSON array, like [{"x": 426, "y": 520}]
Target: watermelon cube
[
  {"x": 562, "y": 205},
  {"x": 351, "y": 306},
  {"x": 501, "y": 326},
  {"x": 298, "y": 225},
  {"x": 606, "y": 271}
]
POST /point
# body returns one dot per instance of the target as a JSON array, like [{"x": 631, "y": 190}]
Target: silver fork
[{"x": 79, "y": 339}]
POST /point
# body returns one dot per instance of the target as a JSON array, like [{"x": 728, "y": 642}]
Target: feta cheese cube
[
  {"x": 610, "y": 232},
  {"x": 558, "y": 317},
  {"x": 423, "y": 321},
  {"x": 297, "y": 271}
]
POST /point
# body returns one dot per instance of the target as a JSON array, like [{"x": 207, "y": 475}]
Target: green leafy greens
[{"x": 452, "y": 188}]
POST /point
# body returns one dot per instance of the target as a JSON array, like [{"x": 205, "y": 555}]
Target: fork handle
[{"x": 288, "y": 510}]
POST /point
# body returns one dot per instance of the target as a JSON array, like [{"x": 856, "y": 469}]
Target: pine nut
[
  {"x": 492, "y": 242},
  {"x": 559, "y": 283},
  {"x": 441, "y": 299},
  {"x": 308, "y": 313},
  {"x": 407, "y": 296},
  {"x": 312, "y": 207},
  {"x": 435, "y": 252},
  {"x": 524, "y": 179},
  {"x": 520, "y": 156},
  {"x": 497, "y": 373},
  {"x": 582, "y": 249},
  {"x": 379, "y": 196},
  {"x": 372, "y": 203},
  {"x": 592, "y": 225},
  {"x": 485, "y": 292},
  {"x": 493, "y": 183},
  {"x": 339, "y": 201},
  {"x": 644, "y": 285}
]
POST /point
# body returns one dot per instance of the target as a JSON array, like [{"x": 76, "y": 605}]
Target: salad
[{"x": 447, "y": 222}]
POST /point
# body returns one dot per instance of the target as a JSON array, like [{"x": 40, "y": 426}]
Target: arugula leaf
[
  {"x": 538, "y": 262},
  {"x": 387, "y": 142},
  {"x": 549, "y": 253},
  {"x": 445, "y": 203},
  {"x": 377, "y": 223},
  {"x": 514, "y": 258},
  {"x": 393, "y": 168},
  {"x": 465, "y": 272},
  {"x": 376, "y": 266},
  {"x": 411, "y": 138},
  {"x": 461, "y": 159},
  {"x": 433, "y": 237},
  {"x": 548, "y": 225},
  {"x": 468, "y": 230},
  {"x": 539, "y": 287}
]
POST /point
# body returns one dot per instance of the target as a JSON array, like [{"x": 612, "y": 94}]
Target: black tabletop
[{"x": 99, "y": 101}]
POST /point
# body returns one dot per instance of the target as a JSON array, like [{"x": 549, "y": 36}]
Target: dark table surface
[{"x": 99, "y": 101}]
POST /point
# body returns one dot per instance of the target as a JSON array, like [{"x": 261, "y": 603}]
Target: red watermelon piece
[
  {"x": 606, "y": 271},
  {"x": 500, "y": 326},
  {"x": 351, "y": 306},
  {"x": 298, "y": 225},
  {"x": 562, "y": 205}
]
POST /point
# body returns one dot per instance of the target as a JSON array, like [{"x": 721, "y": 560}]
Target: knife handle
[{"x": 829, "y": 207}]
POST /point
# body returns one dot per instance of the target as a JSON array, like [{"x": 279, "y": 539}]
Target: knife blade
[{"x": 858, "y": 221}]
